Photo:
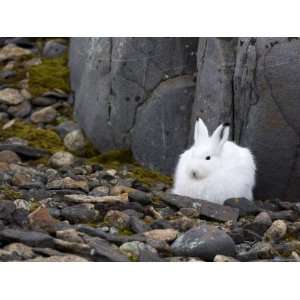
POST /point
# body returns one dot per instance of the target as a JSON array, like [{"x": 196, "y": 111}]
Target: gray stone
[
  {"x": 79, "y": 213},
  {"x": 205, "y": 241},
  {"x": 44, "y": 115},
  {"x": 75, "y": 141},
  {"x": 53, "y": 49},
  {"x": 23, "y": 150},
  {"x": 21, "y": 110},
  {"x": 62, "y": 159},
  {"x": 104, "y": 251},
  {"x": 29, "y": 238},
  {"x": 245, "y": 206},
  {"x": 252, "y": 83},
  {"x": 121, "y": 84}
]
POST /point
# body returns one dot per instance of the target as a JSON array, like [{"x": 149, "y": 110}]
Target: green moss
[
  {"x": 34, "y": 205},
  {"x": 10, "y": 193},
  {"x": 115, "y": 158},
  {"x": 39, "y": 138},
  {"x": 125, "y": 231},
  {"x": 112, "y": 159},
  {"x": 89, "y": 150},
  {"x": 149, "y": 177},
  {"x": 133, "y": 258},
  {"x": 50, "y": 74}
]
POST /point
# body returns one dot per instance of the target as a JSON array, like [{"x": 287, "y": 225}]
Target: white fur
[{"x": 228, "y": 174}]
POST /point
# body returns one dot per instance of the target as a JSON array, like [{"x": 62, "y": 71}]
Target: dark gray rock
[
  {"x": 53, "y": 49},
  {"x": 288, "y": 215},
  {"x": 23, "y": 150},
  {"x": 137, "y": 225},
  {"x": 205, "y": 241},
  {"x": 245, "y": 206},
  {"x": 7, "y": 208},
  {"x": 140, "y": 197},
  {"x": 256, "y": 90},
  {"x": 21, "y": 110},
  {"x": 30, "y": 238},
  {"x": 121, "y": 84},
  {"x": 7, "y": 74},
  {"x": 79, "y": 213},
  {"x": 104, "y": 251}
]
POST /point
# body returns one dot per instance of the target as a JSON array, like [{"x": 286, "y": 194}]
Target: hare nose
[{"x": 194, "y": 175}]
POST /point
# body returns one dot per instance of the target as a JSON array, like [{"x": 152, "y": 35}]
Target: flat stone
[
  {"x": 70, "y": 235},
  {"x": 140, "y": 197},
  {"x": 40, "y": 219},
  {"x": 123, "y": 198},
  {"x": 288, "y": 215},
  {"x": 245, "y": 206},
  {"x": 59, "y": 258},
  {"x": 176, "y": 200},
  {"x": 21, "y": 250},
  {"x": 29, "y": 238},
  {"x": 43, "y": 101},
  {"x": 80, "y": 213},
  {"x": 44, "y": 115},
  {"x": 137, "y": 225},
  {"x": 167, "y": 235},
  {"x": 68, "y": 183},
  {"x": 11, "y": 51},
  {"x": 217, "y": 212},
  {"x": 71, "y": 247},
  {"x": 23, "y": 150},
  {"x": 104, "y": 251},
  {"x": 205, "y": 241},
  {"x": 11, "y": 96}
]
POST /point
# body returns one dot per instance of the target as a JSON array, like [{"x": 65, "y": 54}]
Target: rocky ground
[{"x": 60, "y": 200}]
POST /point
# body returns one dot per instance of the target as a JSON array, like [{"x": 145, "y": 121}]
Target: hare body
[{"x": 215, "y": 169}]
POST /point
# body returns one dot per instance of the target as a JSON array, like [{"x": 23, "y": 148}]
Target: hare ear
[
  {"x": 220, "y": 136},
  {"x": 200, "y": 132}
]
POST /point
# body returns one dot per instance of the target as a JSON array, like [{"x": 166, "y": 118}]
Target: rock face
[
  {"x": 138, "y": 94},
  {"x": 258, "y": 93},
  {"x": 124, "y": 85}
]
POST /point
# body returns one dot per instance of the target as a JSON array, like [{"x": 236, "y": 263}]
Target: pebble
[
  {"x": 59, "y": 258},
  {"x": 223, "y": 258},
  {"x": 61, "y": 159},
  {"x": 117, "y": 219},
  {"x": 21, "y": 110},
  {"x": 167, "y": 235},
  {"x": 277, "y": 231},
  {"x": 75, "y": 141},
  {"x": 53, "y": 49},
  {"x": 9, "y": 157},
  {"x": 12, "y": 51},
  {"x": 68, "y": 183},
  {"x": 44, "y": 115},
  {"x": 11, "y": 96}
]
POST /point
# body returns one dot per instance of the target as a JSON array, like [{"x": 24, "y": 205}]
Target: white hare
[{"x": 214, "y": 169}]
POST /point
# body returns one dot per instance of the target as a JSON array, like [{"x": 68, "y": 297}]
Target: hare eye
[{"x": 207, "y": 157}]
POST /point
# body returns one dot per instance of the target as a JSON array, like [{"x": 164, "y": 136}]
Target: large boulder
[
  {"x": 135, "y": 91},
  {"x": 138, "y": 94},
  {"x": 254, "y": 84}
]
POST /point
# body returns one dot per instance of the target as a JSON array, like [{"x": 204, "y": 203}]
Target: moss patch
[
  {"x": 10, "y": 193},
  {"x": 149, "y": 177},
  {"x": 46, "y": 139},
  {"x": 112, "y": 159},
  {"x": 115, "y": 158},
  {"x": 49, "y": 75}
]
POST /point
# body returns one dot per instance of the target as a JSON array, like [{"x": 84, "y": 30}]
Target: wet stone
[{"x": 205, "y": 241}]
